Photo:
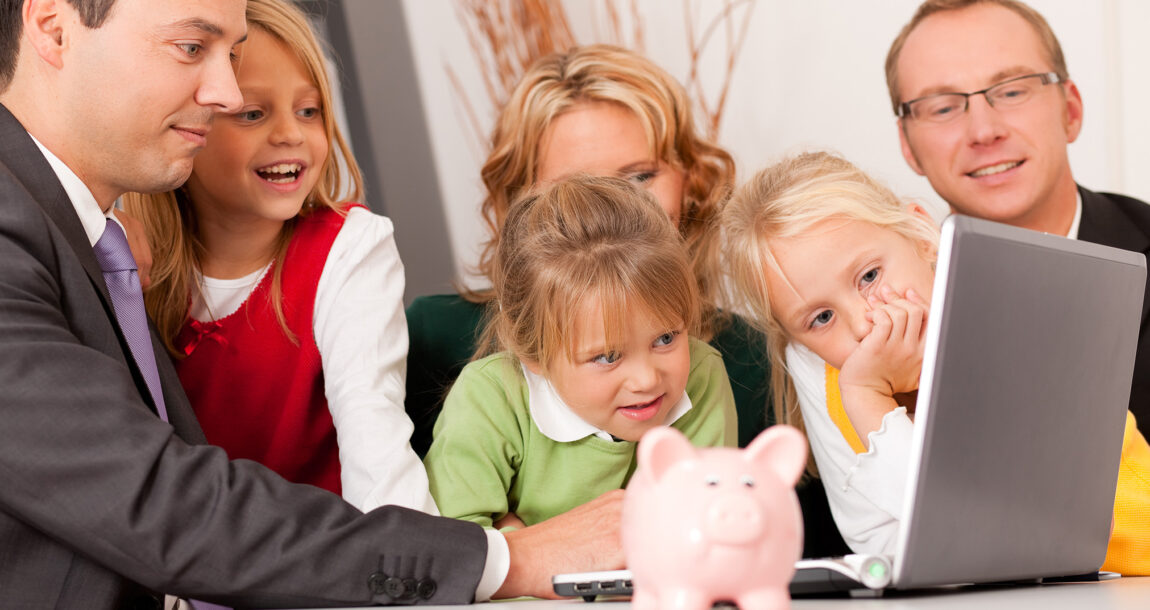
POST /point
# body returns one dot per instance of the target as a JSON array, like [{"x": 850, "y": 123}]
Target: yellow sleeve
[{"x": 1129, "y": 550}]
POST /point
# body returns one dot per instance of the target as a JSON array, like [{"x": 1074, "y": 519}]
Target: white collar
[
  {"x": 559, "y": 423},
  {"x": 91, "y": 216},
  {"x": 1073, "y": 232}
]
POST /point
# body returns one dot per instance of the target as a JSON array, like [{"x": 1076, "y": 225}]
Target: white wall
[{"x": 810, "y": 76}]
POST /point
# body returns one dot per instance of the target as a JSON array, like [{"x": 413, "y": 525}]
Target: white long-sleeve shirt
[{"x": 865, "y": 490}]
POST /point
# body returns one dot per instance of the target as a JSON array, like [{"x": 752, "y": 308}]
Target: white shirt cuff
[{"x": 495, "y": 570}]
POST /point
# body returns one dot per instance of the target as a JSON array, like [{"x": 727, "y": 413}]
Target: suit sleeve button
[
  {"x": 394, "y": 588},
  {"x": 426, "y": 588},
  {"x": 376, "y": 582}
]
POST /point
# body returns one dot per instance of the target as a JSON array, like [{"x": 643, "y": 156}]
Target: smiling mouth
[
  {"x": 642, "y": 411},
  {"x": 281, "y": 173},
  {"x": 994, "y": 169},
  {"x": 642, "y": 405}
]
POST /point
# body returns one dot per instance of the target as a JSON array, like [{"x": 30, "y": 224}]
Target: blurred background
[{"x": 421, "y": 82}]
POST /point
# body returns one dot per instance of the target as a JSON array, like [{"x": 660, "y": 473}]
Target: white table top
[{"x": 1118, "y": 594}]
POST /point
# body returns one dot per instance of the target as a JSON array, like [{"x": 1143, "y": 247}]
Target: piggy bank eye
[
  {"x": 747, "y": 480},
  {"x": 711, "y": 480}
]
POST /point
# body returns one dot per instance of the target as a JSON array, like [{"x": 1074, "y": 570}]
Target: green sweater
[
  {"x": 443, "y": 330},
  {"x": 489, "y": 458}
]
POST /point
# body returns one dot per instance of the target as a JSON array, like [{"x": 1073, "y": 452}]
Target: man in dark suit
[
  {"x": 102, "y": 503},
  {"x": 986, "y": 111}
]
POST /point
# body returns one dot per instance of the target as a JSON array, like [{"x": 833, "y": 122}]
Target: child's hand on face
[{"x": 887, "y": 361}]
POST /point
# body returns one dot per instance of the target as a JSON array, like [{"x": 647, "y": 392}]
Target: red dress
[{"x": 257, "y": 394}]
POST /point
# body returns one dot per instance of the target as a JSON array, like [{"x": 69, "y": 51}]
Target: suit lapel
[
  {"x": 1104, "y": 223},
  {"x": 20, "y": 153}
]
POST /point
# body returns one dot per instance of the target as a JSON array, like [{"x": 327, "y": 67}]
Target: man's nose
[
  {"x": 218, "y": 89},
  {"x": 984, "y": 123}
]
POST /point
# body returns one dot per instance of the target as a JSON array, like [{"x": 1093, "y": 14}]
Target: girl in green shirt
[{"x": 594, "y": 296}]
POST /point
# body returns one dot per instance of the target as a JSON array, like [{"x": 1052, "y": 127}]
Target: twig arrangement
[
  {"x": 506, "y": 36},
  {"x": 713, "y": 114}
]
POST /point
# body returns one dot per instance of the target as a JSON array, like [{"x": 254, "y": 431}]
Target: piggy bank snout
[{"x": 734, "y": 518}]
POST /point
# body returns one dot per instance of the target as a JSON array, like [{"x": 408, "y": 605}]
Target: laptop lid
[{"x": 1021, "y": 407}]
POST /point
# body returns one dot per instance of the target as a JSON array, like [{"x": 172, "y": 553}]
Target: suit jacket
[
  {"x": 101, "y": 501},
  {"x": 1124, "y": 222}
]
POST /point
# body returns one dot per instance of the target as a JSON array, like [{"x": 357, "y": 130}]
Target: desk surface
[{"x": 1118, "y": 594}]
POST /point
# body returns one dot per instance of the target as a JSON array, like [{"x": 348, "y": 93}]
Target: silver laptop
[
  {"x": 1019, "y": 422},
  {"x": 1022, "y": 405}
]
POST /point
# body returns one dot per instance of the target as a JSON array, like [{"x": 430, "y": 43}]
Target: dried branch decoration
[
  {"x": 714, "y": 114},
  {"x": 506, "y": 36}
]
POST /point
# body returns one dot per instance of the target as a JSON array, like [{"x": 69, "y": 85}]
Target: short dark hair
[{"x": 93, "y": 14}]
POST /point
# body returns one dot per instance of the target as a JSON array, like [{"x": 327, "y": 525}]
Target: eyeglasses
[{"x": 945, "y": 107}]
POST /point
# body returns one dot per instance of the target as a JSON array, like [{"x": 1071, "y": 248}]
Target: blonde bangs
[
  {"x": 290, "y": 26},
  {"x": 587, "y": 243}
]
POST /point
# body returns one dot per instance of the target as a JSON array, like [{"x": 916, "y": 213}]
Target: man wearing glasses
[{"x": 985, "y": 111}]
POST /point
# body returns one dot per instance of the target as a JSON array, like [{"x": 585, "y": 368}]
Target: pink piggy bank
[{"x": 707, "y": 525}]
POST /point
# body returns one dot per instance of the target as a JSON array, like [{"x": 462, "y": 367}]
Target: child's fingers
[
  {"x": 900, "y": 311},
  {"x": 915, "y": 311},
  {"x": 898, "y": 316},
  {"x": 880, "y": 331},
  {"x": 915, "y": 326},
  {"x": 914, "y": 297}
]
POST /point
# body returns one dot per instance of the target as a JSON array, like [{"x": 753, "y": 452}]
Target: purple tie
[
  {"x": 115, "y": 258},
  {"x": 123, "y": 282}
]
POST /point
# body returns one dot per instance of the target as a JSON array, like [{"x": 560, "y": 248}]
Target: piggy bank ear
[
  {"x": 781, "y": 449},
  {"x": 660, "y": 448}
]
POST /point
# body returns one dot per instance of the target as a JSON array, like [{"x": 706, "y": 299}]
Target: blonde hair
[
  {"x": 169, "y": 219},
  {"x": 555, "y": 84},
  {"x": 578, "y": 239},
  {"x": 1046, "y": 35},
  {"x": 786, "y": 200}
]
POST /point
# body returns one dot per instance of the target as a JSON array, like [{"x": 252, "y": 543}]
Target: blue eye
[
  {"x": 869, "y": 277},
  {"x": 608, "y": 358},
  {"x": 309, "y": 113},
  {"x": 823, "y": 318},
  {"x": 249, "y": 115},
  {"x": 191, "y": 49},
  {"x": 666, "y": 339}
]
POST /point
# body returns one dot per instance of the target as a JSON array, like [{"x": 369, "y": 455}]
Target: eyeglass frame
[{"x": 1048, "y": 78}]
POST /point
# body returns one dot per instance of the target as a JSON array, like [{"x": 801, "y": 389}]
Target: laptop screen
[{"x": 1021, "y": 408}]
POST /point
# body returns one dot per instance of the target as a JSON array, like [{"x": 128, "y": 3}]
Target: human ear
[
  {"x": 907, "y": 152},
  {"x": 1072, "y": 118},
  {"x": 44, "y": 29},
  {"x": 918, "y": 210},
  {"x": 927, "y": 249}
]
